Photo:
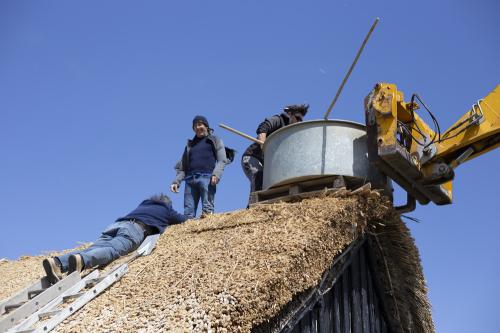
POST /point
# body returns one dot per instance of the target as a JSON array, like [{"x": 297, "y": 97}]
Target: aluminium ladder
[{"x": 40, "y": 307}]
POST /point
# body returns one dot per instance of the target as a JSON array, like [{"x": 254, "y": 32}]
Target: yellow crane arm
[
  {"x": 420, "y": 159},
  {"x": 475, "y": 133}
]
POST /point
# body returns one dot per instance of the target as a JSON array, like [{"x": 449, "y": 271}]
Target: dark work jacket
[
  {"x": 156, "y": 214},
  {"x": 268, "y": 126}
]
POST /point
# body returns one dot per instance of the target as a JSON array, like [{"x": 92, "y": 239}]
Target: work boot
[
  {"x": 205, "y": 214},
  {"x": 75, "y": 262},
  {"x": 52, "y": 270}
]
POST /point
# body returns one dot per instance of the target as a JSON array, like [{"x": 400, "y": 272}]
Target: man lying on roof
[{"x": 152, "y": 216}]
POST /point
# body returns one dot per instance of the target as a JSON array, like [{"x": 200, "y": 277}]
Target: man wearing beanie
[{"x": 201, "y": 168}]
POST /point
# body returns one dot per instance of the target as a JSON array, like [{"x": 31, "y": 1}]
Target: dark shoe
[
  {"x": 205, "y": 214},
  {"x": 75, "y": 262},
  {"x": 52, "y": 270}
]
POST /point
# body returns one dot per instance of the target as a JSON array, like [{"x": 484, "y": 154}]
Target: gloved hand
[{"x": 174, "y": 187}]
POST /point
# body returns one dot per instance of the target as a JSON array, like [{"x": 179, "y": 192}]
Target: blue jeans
[
  {"x": 198, "y": 187},
  {"x": 119, "y": 239}
]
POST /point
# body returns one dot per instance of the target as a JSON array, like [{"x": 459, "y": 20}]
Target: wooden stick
[
  {"x": 350, "y": 69},
  {"x": 246, "y": 136}
]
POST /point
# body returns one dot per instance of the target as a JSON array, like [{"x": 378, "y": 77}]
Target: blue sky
[{"x": 97, "y": 98}]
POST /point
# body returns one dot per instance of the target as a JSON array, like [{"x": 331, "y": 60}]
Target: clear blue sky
[{"x": 97, "y": 97}]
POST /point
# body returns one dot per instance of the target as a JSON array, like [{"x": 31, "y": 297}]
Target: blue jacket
[{"x": 156, "y": 214}]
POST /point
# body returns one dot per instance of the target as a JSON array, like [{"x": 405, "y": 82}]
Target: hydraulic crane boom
[
  {"x": 420, "y": 159},
  {"x": 475, "y": 133}
]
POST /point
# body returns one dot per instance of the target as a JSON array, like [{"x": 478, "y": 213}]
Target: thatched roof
[{"x": 233, "y": 271}]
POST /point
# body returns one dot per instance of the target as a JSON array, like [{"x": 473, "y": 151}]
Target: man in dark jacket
[
  {"x": 152, "y": 216},
  {"x": 252, "y": 160},
  {"x": 201, "y": 168}
]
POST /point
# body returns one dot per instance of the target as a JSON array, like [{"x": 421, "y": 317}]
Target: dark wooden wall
[{"x": 351, "y": 305}]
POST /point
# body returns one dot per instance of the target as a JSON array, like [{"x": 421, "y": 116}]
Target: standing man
[
  {"x": 201, "y": 168},
  {"x": 152, "y": 216},
  {"x": 252, "y": 160}
]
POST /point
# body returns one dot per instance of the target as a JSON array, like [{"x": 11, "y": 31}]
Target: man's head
[
  {"x": 162, "y": 198},
  {"x": 200, "y": 126},
  {"x": 297, "y": 112}
]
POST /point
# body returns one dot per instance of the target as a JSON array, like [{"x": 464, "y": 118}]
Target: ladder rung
[
  {"x": 11, "y": 307},
  {"x": 73, "y": 296},
  {"x": 93, "y": 282},
  {"x": 48, "y": 314},
  {"x": 45, "y": 298},
  {"x": 51, "y": 318},
  {"x": 35, "y": 293}
]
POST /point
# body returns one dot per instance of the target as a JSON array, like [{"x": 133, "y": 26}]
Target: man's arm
[
  {"x": 269, "y": 125},
  {"x": 176, "y": 218},
  {"x": 179, "y": 169},
  {"x": 221, "y": 161}
]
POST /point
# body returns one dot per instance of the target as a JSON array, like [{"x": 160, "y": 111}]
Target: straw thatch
[{"x": 231, "y": 272}]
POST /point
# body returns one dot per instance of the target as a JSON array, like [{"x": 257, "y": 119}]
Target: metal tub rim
[{"x": 346, "y": 123}]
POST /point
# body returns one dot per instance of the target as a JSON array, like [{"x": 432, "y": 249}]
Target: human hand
[
  {"x": 261, "y": 137},
  {"x": 214, "y": 180},
  {"x": 174, "y": 187}
]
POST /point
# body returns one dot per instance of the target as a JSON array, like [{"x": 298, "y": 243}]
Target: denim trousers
[
  {"x": 120, "y": 238},
  {"x": 197, "y": 186}
]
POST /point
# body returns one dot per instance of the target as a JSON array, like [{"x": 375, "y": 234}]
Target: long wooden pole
[
  {"x": 246, "y": 136},
  {"x": 350, "y": 69}
]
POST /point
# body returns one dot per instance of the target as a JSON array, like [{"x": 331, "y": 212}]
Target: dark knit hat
[
  {"x": 200, "y": 119},
  {"x": 300, "y": 108}
]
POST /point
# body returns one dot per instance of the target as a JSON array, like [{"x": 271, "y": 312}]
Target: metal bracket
[{"x": 410, "y": 205}]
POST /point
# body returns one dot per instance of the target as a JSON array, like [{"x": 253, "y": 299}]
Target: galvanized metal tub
[{"x": 316, "y": 148}]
